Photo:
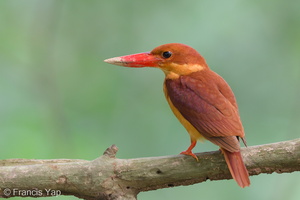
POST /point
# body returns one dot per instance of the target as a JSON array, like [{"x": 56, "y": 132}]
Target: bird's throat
[{"x": 174, "y": 71}]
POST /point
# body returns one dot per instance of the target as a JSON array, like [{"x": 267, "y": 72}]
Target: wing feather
[{"x": 208, "y": 103}]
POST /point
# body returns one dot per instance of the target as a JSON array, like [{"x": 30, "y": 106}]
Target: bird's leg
[{"x": 189, "y": 150}]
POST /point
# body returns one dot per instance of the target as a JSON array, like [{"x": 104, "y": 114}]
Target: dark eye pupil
[{"x": 167, "y": 54}]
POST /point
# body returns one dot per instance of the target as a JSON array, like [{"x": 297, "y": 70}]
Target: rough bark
[{"x": 108, "y": 177}]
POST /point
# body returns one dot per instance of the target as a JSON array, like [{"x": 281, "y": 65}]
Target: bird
[{"x": 201, "y": 99}]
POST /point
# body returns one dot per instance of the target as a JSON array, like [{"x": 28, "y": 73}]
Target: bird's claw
[{"x": 190, "y": 153}]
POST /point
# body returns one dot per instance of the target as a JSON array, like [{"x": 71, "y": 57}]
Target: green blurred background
[{"x": 60, "y": 100}]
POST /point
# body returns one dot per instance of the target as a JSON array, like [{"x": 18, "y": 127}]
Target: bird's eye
[{"x": 167, "y": 54}]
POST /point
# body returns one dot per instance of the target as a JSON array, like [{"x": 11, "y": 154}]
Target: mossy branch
[{"x": 108, "y": 177}]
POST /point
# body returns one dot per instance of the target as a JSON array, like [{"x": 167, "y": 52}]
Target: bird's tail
[{"x": 237, "y": 167}]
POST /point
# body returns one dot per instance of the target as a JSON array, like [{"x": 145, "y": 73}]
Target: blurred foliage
[{"x": 60, "y": 100}]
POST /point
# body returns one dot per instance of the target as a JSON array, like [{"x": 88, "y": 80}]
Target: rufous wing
[{"x": 208, "y": 103}]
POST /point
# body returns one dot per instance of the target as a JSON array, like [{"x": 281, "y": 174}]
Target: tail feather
[{"x": 237, "y": 167}]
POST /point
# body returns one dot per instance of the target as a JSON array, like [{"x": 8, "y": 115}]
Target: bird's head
[{"x": 174, "y": 59}]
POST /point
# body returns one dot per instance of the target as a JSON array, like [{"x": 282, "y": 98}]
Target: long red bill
[{"x": 134, "y": 60}]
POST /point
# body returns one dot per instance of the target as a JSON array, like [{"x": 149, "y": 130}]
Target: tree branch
[{"x": 108, "y": 177}]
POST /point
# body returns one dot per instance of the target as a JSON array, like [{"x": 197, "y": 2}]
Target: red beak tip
[{"x": 134, "y": 60}]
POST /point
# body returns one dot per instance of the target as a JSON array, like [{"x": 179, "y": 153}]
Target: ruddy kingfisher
[{"x": 201, "y": 99}]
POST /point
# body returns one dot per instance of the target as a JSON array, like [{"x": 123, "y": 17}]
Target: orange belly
[{"x": 193, "y": 132}]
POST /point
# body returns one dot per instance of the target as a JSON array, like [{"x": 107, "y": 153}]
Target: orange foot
[
  {"x": 190, "y": 153},
  {"x": 189, "y": 150}
]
